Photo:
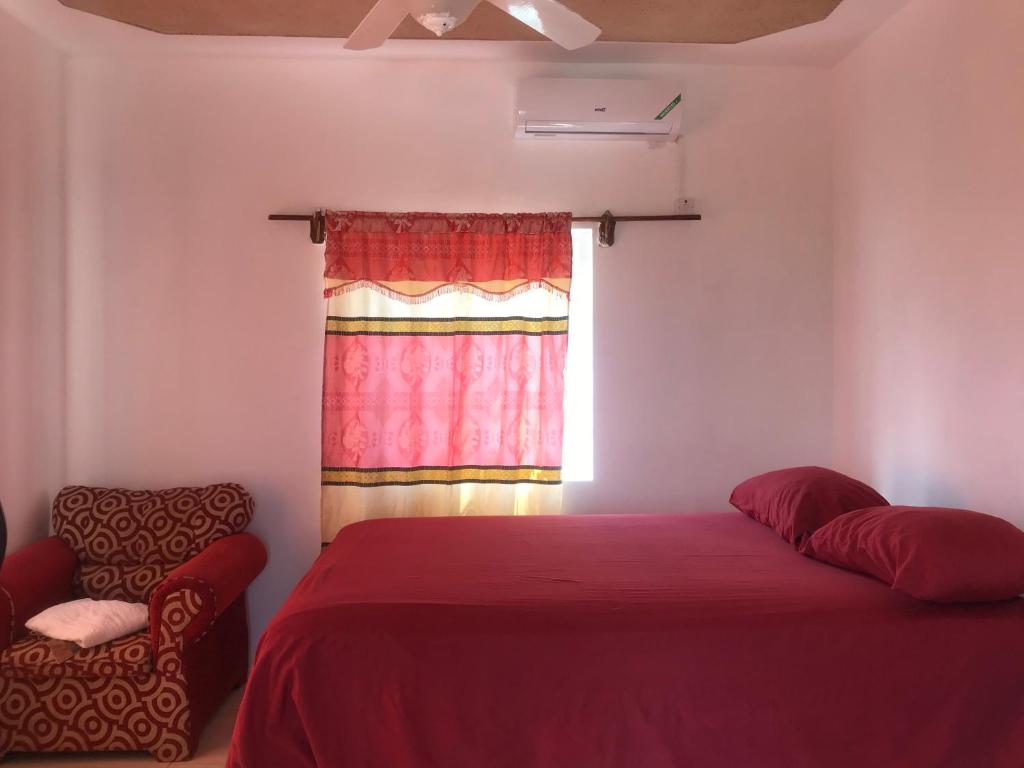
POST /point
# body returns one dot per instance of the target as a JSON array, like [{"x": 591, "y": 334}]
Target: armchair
[{"x": 182, "y": 551}]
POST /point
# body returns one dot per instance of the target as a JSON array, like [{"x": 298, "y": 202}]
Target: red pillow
[
  {"x": 797, "y": 501},
  {"x": 946, "y": 555}
]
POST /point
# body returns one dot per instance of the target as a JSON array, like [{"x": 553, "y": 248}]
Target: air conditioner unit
[{"x": 570, "y": 108}]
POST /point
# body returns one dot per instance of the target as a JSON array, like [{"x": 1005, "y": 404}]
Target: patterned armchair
[{"x": 183, "y": 552}]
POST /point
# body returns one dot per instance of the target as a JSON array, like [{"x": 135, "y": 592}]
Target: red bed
[{"x": 625, "y": 642}]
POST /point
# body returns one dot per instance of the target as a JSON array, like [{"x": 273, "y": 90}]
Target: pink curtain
[
  {"x": 405, "y": 401},
  {"x": 444, "y": 357}
]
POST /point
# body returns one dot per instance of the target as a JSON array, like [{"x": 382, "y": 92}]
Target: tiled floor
[{"x": 213, "y": 749}]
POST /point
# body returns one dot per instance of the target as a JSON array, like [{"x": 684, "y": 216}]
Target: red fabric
[
  {"x": 443, "y": 401},
  {"x": 932, "y": 553},
  {"x": 798, "y": 500},
  {"x": 38, "y": 656},
  {"x": 219, "y": 574},
  {"x": 152, "y": 691},
  {"x": 127, "y": 541},
  {"x": 702, "y": 641},
  {"x": 437, "y": 247},
  {"x": 33, "y": 579},
  {"x": 68, "y": 707},
  {"x": 215, "y": 665}
]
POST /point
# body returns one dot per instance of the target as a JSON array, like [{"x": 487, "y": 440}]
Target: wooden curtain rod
[{"x": 605, "y": 233}]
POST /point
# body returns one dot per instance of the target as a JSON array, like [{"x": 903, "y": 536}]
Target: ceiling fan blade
[
  {"x": 553, "y": 20},
  {"x": 378, "y": 25}
]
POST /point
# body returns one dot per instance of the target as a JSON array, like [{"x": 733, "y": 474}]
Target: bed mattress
[{"x": 702, "y": 641}]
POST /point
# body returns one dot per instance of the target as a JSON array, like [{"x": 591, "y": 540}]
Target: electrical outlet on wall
[{"x": 686, "y": 205}]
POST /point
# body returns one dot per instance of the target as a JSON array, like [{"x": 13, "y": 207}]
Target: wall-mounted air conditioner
[{"x": 569, "y": 108}]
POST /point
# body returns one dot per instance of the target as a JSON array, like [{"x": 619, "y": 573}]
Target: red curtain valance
[{"x": 447, "y": 248}]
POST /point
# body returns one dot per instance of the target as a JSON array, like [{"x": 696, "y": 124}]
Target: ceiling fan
[{"x": 549, "y": 17}]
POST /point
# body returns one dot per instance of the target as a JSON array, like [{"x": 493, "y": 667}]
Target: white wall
[
  {"x": 31, "y": 280},
  {"x": 929, "y": 280},
  {"x": 195, "y": 324},
  {"x": 712, "y": 339}
]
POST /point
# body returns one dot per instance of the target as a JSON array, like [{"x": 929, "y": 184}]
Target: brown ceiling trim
[{"x": 645, "y": 21}]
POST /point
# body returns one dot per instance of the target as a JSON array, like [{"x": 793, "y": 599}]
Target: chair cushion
[
  {"x": 38, "y": 656},
  {"x": 132, "y": 583},
  {"x": 127, "y": 541}
]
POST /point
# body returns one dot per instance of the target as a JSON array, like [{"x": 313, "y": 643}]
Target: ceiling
[{"x": 643, "y": 21}]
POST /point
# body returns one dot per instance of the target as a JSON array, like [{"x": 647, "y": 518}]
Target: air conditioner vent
[{"x": 569, "y": 108}]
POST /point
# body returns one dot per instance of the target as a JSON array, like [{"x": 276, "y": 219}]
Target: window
[{"x": 578, "y": 439}]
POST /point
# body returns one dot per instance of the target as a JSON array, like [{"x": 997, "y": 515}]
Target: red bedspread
[{"x": 625, "y": 642}]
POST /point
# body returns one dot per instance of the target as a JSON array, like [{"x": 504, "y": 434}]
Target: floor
[{"x": 213, "y": 749}]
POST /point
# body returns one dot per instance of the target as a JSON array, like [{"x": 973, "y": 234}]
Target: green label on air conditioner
[{"x": 671, "y": 105}]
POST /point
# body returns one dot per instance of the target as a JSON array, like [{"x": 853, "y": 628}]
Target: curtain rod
[{"x": 605, "y": 233}]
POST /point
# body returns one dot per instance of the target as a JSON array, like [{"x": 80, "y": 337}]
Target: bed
[{"x": 702, "y": 641}]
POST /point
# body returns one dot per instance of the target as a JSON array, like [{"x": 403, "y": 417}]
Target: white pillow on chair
[{"x": 90, "y": 622}]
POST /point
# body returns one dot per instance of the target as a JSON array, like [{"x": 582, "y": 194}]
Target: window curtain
[{"x": 444, "y": 358}]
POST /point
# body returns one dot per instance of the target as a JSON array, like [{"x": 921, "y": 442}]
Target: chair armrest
[
  {"x": 31, "y": 580},
  {"x": 191, "y": 597}
]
